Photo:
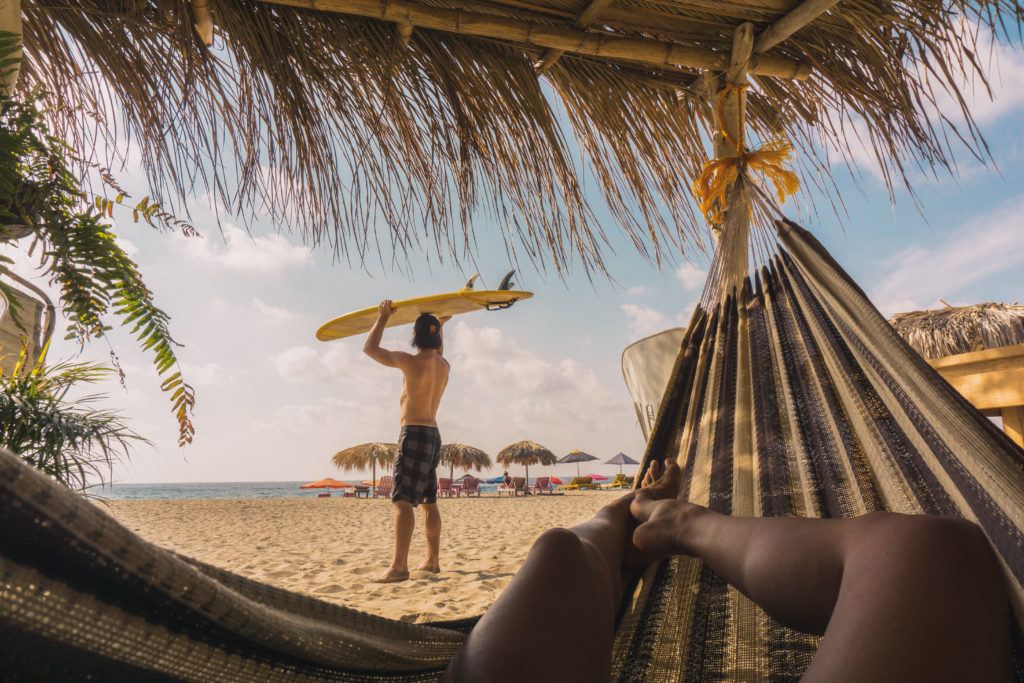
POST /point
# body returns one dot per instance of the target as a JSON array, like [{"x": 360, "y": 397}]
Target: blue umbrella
[
  {"x": 577, "y": 456},
  {"x": 621, "y": 459},
  {"x": 495, "y": 480}
]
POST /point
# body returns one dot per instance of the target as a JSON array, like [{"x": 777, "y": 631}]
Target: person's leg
[
  {"x": 555, "y": 621},
  {"x": 405, "y": 521},
  {"x": 897, "y": 597},
  {"x": 432, "y": 528}
]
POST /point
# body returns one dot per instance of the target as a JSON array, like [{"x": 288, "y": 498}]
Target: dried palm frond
[
  {"x": 960, "y": 329},
  {"x": 526, "y": 453},
  {"x": 359, "y": 135},
  {"x": 463, "y": 457}
]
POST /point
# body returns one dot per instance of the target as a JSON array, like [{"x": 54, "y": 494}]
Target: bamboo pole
[
  {"x": 202, "y": 20},
  {"x": 404, "y": 32},
  {"x": 1013, "y": 424},
  {"x": 583, "y": 22},
  {"x": 10, "y": 21},
  {"x": 793, "y": 21},
  {"x": 593, "y": 43}
]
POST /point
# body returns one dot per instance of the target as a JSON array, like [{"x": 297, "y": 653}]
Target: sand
[{"x": 332, "y": 548}]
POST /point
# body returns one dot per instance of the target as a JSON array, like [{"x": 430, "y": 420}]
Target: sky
[{"x": 274, "y": 404}]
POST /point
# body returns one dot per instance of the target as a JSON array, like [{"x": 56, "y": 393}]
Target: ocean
[{"x": 219, "y": 489}]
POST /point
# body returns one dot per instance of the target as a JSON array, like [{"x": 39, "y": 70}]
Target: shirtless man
[{"x": 419, "y": 444}]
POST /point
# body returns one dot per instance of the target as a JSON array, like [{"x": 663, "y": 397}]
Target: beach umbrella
[
  {"x": 577, "y": 456},
  {"x": 526, "y": 453},
  {"x": 464, "y": 457},
  {"x": 960, "y": 329},
  {"x": 495, "y": 480},
  {"x": 556, "y": 481},
  {"x": 620, "y": 459},
  {"x": 327, "y": 483},
  {"x": 597, "y": 477},
  {"x": 366, "y": 455}
]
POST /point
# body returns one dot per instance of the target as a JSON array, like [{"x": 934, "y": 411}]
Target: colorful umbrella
[
  {"x": 597, "y": 477},
  {"x": 327, "y": 483},
  {"x": 621, "y": 459},
  {"x": 577, "y": 456}
]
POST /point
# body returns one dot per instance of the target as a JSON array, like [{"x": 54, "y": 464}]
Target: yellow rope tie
[{"x": 719, "y": 174}]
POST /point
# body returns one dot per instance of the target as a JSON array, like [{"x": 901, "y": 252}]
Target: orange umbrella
[
  {"x": 371, "y": 482},
  {"x": 327, "y": 483}
]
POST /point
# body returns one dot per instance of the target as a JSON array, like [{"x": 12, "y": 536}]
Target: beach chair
[
  {"x": 578, "y": 484},
  {"x": 542, "y": 485},
  {"x": 444, "y": 488},
  {"x": 384, "y": 487},
  {"x": 518, "y": 486},
  {"x": 617, "y": 483},
  {"x": 471, "y": 486}
]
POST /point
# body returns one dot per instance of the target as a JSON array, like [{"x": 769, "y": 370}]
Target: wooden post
[
  {"x": 10, "y": 21},
  {"x": 202, "y": 20},
  {"x": 730, "y": 115},
  {"x": 793, "y": 21},
  {"x": 1013, "y": 424},
  {"x": 404, "y": 32}
]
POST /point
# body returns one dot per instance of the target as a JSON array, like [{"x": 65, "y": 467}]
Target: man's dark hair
[{"x": 426, "y": 332}]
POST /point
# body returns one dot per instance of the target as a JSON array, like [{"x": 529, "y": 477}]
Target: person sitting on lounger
[
  {"x": 897, "y": 597},
  {"x": 425, "y": 376}
]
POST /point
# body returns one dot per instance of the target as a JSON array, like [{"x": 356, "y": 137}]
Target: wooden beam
[
  {"x": 992, "y": 379},
  {"x": 801, "y": 15},
  {"x": 573, "y": 41},
  {"x": 1013, "y": 424},
  {"x": 202, "y": 20},
  {"x": 583, "y": 22},
  {"x": 10, "y": 21}
]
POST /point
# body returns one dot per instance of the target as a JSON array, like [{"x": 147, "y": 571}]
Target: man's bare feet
[
  {"x": 661, "y": 515},
  {"x": 392, "y": 576},
  {"x": 428, "y": 566}
]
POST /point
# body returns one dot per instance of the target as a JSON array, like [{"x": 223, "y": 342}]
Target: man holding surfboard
[{"x": 425, "y": 376}]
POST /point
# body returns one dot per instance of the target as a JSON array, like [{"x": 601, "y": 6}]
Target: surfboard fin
[
  {"x": 470, "y": 281},
  {"x": 506, "y": 282}
]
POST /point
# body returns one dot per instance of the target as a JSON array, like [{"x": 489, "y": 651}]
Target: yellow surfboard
[{"x": 407, "y": 310}]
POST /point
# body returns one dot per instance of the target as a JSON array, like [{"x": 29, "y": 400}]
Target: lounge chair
[
  {"x": 518, "y": 486},
  {"x": 444, "y": 488},
  {"x": 578, "y": 484},
  {"x": 617, "y": 483},
  {"x": 471, "y": 486},
  {"x": 384, "y": 487},
  {"x": 542, "y": 485}
]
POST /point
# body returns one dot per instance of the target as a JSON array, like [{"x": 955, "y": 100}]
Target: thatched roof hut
[
  {"x": 464, "y": 457},
  {"x": 961, "y": 329},
  {"x": 360, "y": 120}
]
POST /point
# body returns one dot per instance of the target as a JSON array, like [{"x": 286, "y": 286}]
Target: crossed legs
[{"x": 897, "y": 597}]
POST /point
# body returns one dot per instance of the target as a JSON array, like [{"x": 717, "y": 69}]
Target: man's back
[{"x": 426, "y": 376}]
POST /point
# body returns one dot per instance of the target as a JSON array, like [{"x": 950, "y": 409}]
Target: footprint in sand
[
  {"x": 330, "y": 588},
  {"x": 361, "y": 571},
  {"x": 280, "y": 574}
]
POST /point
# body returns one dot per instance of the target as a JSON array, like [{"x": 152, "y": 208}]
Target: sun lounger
[
  {"x": 578, "y": 484},
  {"x": 444, "y": 488},
  {"x": 617, "y": 483},
  {"x": 542, "y": 485},
  {"x": 384, "y": 488},
  {"x": 471, "y": 487}
]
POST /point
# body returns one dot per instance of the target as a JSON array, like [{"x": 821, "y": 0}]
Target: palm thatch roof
[
  {"x": 406, "y": 125},
  {"x": 463, "y": 457},
  {"x": 366, "y": 456},
  {"x": 526, "y": 453},
  {"x": 960, "y": 329}
]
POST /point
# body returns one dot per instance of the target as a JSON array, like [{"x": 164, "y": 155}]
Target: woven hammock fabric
[{"x": 794, "y": 397}]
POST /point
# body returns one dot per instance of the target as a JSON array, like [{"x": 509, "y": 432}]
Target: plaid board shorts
[{"x": 419, "y": 449}]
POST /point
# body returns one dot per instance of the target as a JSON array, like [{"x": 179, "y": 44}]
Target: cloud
[
  {"x": 644, "y": 320},
  {"x": 207, "y": 374},
  {"x": 271, "y": 313},
  {"x": 637, "y": 290},
  {"x": 691, "y": 276},
  {"x": 240, "y": 252},
  {"x": 984, "y": 246}
]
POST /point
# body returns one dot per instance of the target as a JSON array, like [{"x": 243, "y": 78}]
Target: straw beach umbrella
[
  {"x": 959, "y": 329},
  {"x": 577, "y": 456},
  {"x": 620, "y": 459},
  {"x": 464, "y": 457},
  {"x": 526, "y": 453},
  {"x": 366, "y": 455}
]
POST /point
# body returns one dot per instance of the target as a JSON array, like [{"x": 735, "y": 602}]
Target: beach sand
[{"x": 332, "y": 548}]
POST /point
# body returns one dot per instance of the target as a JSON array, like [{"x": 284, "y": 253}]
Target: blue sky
[{"x": 275, "y": 404}]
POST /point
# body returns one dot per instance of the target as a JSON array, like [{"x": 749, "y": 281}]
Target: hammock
[{"x": 792, "y": 396}]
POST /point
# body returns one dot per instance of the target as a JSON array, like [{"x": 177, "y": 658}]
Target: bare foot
[
  {"x": 392, "y": 576},
  {"x": 428, "y": 566},
  {"x": 661, "y": 515}
]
